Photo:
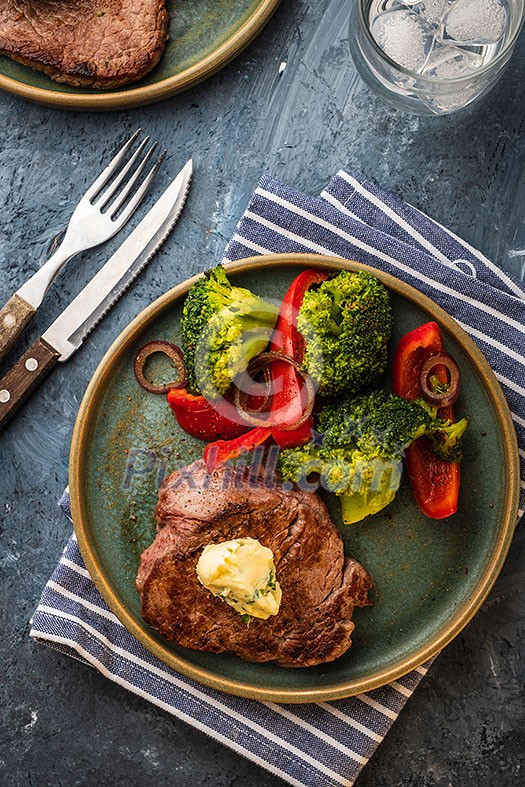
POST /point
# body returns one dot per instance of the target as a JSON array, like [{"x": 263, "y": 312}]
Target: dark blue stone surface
[{"x": 62, "y": 722}]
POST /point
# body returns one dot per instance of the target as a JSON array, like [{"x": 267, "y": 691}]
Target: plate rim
[
  {"x": 343, "y": 688},
  {"x": 158, "y": 91}
]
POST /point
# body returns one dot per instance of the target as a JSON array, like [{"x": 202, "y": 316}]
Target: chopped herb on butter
[{"x": 242, "y": 573}]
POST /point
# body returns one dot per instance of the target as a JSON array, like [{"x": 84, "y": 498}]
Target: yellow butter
[{"x": 242, "y": 573}]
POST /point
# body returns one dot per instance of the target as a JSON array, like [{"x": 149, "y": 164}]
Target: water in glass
[{"x": 436, "y": 41}]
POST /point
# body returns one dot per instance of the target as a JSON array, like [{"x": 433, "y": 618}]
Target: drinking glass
[{"x": 438, "y": 74}]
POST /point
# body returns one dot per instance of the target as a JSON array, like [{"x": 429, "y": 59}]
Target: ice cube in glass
[
  {"x": 476, "y": 22},
  {"x": 403, "y": 36}
]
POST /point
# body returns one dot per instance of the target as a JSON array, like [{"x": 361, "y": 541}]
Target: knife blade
[{"x": 65, "y": 335}]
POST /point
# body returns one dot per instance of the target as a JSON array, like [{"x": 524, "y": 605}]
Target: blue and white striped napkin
[{"x": 325, "y": 744}]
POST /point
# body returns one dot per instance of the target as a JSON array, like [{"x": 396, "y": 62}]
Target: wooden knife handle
[
  {"x": 14, "y": 317},
  {"x": 24, "y": 376}
]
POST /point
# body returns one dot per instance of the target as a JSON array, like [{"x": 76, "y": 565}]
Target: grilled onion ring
[
  {"x": 261, "y": 363},
  {"x": 446, "y": 397},
  {"x": 174, "y": 354}
]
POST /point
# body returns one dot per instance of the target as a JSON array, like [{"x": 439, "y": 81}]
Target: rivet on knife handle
[
  {"x": 24, "y": 377},
  {"x": 14, "y": 317}
]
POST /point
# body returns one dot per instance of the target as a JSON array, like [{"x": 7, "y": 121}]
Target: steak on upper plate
[
  {"x": 320, "y": 586},
  {"x": 85, "y": 42}
]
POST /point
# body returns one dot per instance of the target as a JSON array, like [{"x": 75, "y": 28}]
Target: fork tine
[
  {"x": 105, "y": 197},
  {"x": 121, "y": 198},
  {"x": 141, "y": 191},
  {"x": 113, "y": 165}
]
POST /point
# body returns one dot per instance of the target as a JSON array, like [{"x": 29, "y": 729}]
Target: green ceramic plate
[
  {"x": 204, "y": 36},
  {"x": 430, "y": 577}
]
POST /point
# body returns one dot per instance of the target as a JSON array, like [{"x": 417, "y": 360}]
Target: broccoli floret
[
  {"x": 346, "y": 322},
  {"x": 374, "y": 486},
  {"x": 222, "y": 329},
  {"x": 383, "y": 420},
  {"x": 359, "y": 449},
  {"x": 445, "y": 435},
  {"x": 364, "y": 482},
  {"x": 297, "y": 464},
  {"x": 446, "y": 440}
]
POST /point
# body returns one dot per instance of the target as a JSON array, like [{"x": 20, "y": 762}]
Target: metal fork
[{"x": 99, "y": 215}]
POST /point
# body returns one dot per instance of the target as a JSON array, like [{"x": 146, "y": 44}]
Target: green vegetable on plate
[
  {"x": 359, "y": 447},
  {"x": 346, "y": 322},
  {"x": 222, "y": 328}
]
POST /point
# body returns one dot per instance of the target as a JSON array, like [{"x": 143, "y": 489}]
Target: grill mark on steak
[
  {"x": 320, "y": 586},
  {"x": 85, "y": 42}
]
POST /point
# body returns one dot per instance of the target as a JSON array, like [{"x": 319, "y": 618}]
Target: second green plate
[{"x": 204, "y": 36}]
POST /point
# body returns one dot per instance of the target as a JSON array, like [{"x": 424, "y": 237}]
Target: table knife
[{"x": 79, "y": 318}]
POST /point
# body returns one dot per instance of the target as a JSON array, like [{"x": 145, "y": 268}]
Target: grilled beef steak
[
  {"x": 101, "y": 44},
  {"x": 320, "y": 587}
]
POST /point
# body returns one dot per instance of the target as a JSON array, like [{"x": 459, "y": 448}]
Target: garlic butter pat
[{"x": 242, "y": 573}]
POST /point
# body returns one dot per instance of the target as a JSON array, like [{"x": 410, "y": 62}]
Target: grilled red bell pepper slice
[
  {"x": 201, "y": 419},
  {"x": 287, "y": 399},
  {"x": 435, "y": 482},
  {"x": 288, "y": 402},
  {"x": 219, "y": 452}
]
